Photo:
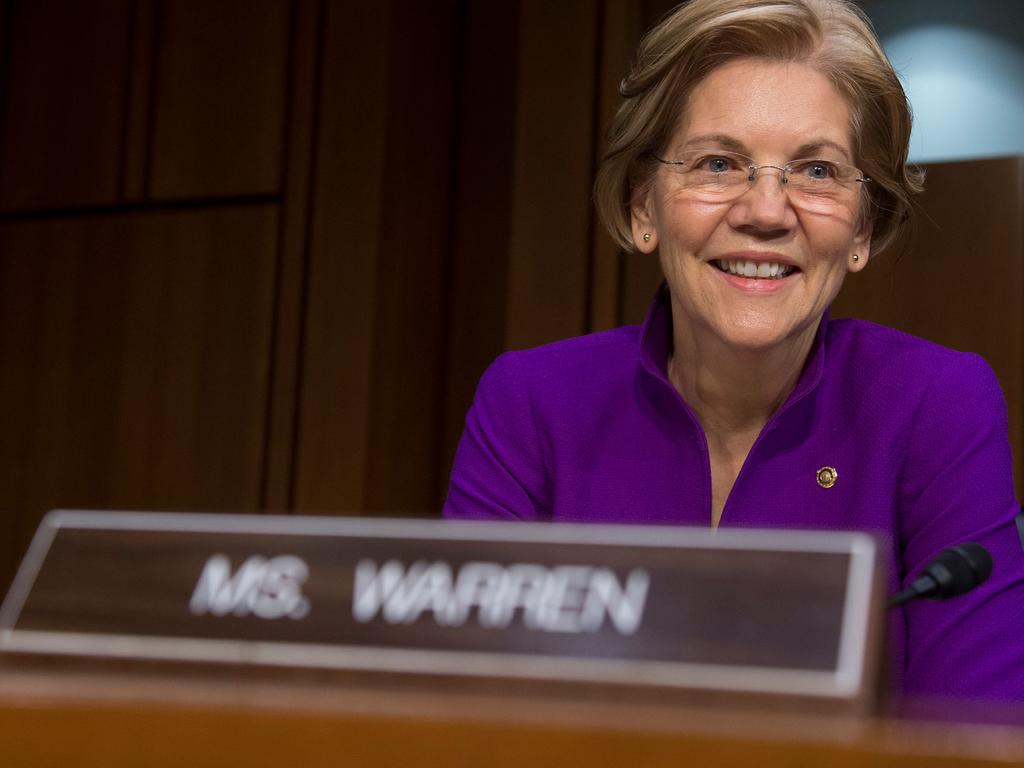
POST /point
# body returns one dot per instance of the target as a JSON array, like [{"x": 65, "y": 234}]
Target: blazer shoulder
[
  {"x": 601, "y": 351},
  {"x": 869, "y": 352},
  {"x": 864, "y": 339}
]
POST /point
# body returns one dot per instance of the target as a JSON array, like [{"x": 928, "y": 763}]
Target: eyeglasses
[{"x": 719, "y": 176}]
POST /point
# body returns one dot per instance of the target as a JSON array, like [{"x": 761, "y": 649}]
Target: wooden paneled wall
[{"x": 255, "y": 254}]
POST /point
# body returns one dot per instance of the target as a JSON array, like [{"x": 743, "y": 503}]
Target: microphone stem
[
  {"x": 922, "y": 585},
  {"x": 902, "y": 597}
]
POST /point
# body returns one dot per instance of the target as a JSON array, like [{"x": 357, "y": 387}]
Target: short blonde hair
[{"x": 833, "y": 36}]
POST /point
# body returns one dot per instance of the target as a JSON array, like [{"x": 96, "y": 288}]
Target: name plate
[{"x": 784, "y": 612}]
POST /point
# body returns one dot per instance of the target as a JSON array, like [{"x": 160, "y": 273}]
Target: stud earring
[
  {"x": 856, "y": 258},
  {"x": 647, "y": 237}
]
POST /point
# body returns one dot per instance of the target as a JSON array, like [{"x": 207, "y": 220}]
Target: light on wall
[
  {"x": 962, "y": 64},
  {"x": 967, "y": 91}
]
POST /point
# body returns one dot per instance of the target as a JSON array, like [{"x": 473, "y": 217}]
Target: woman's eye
[
  {"x": 715, "y": 164},
  {"x": 818, "y": 170}
]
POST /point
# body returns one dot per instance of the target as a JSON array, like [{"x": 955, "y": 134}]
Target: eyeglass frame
[{"x": 753, "y": 168}]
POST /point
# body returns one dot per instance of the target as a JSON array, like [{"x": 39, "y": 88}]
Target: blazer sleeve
[
  {"x": 958, "y": 487},
  {"x": 499, "y": 469}
]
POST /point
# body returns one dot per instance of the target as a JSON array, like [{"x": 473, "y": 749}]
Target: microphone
[{"x": 955, "y": 571}]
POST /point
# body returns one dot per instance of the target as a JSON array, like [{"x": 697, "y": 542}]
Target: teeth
[{"x": 764, "y": 269}]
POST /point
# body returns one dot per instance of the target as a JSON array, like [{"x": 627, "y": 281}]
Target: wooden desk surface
[{"x": 50, "y": 718}]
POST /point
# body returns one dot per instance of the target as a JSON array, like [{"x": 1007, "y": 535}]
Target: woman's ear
[
  {"x": 860, "y": 250},
  {"x": 645, "y": 235}
]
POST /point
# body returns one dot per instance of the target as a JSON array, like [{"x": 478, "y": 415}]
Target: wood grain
[
  {"x": 346, "y": 206},
  {"x": 114, "y": 720},
  {"x": 620, "y": 31},
  {"x": 413, "y": 263},
  {"x": 138, "y": 120},
  {"x": 551, "y": 210},
  {"x": 133, "y": 362},
  {"x": 63, "y": 104},
  {"x": 485, "y": 168},
  {"x": 370, "y": 420},
  {"x": 299, "y": 169},
  {"x": 219, "y": 99}
]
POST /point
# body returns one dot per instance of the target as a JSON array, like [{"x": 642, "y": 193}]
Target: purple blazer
[{"x": 590, "y": 429}]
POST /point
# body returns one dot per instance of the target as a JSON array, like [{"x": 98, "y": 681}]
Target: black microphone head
[{"x": 959, "y": 569}]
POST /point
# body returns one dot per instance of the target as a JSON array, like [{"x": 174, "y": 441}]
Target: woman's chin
[{"x": 763, "y": 334}]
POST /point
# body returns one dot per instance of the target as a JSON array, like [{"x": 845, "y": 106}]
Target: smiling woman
[
  {"x": 706, "y": 232},
  {"x": 760, "y": 153}
]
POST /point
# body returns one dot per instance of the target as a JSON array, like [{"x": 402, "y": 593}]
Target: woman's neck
[{"x": 734, "y": 391}]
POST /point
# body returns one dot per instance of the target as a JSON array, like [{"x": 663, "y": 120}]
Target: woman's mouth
[{"x": 764, "y": 270}]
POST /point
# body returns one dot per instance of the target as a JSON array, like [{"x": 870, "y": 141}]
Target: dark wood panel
[
  {"x": 333, "y": 409},
  {"x": 620, "y": 29},
  {"x": 63, "y": 106},
  {"x": 622, "y": 285},
  {"x": 961, "y": 284},
  {"x": 482, "y": 205},
  {"x": 133, "y": 362},
  {"x": 414, "y": 262},
  {"x": 220, "y": 97},
  {"x": 293, "y": 255},
  {"x": 639, "y": 275},
  {"x": 140, "y": 102},
  {"x": 5, "y": 47},
  {"x": 370, "y": 419},
  {"x": 555, "y": 136}
]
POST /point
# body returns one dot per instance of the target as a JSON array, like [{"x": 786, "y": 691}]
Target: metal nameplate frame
[{"x": 82, "y": 590}]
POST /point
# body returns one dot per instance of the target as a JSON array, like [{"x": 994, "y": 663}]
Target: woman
[{"x": 760, "y": 152}]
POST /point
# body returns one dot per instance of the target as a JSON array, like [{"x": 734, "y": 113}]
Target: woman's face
[{"x": 773, "y": 113}]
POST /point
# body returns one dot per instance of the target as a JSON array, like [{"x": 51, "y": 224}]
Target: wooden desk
[{"x": 86, "y": 719}]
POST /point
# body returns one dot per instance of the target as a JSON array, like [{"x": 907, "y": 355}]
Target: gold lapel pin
[{"x": 827, "y": 477}]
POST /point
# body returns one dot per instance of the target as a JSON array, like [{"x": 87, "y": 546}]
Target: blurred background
[{"x": 255, "y": 254}]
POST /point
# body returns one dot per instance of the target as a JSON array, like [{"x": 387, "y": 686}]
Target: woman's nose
[{"x": 765, "y": 206}]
